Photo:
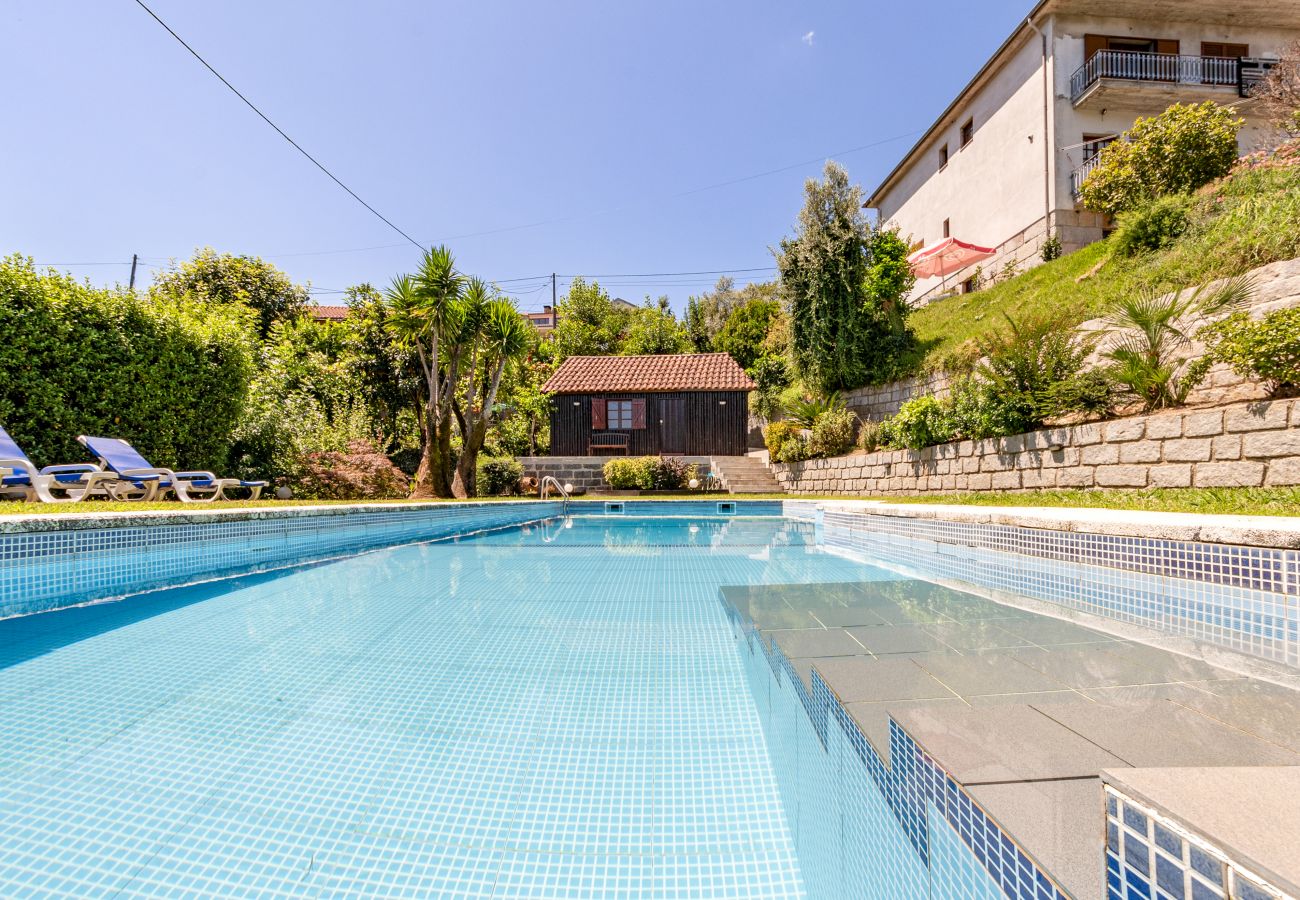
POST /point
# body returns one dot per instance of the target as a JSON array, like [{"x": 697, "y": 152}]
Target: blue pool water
[{"x": 538, "y": 711}]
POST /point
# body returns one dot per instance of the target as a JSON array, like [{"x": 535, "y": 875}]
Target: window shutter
[
  {"x": 1091, "y": 44},
  {"x": 1163, "y": 46},
  {"x": 597, "y": 414},
  {"x": 638, "y": 414}
]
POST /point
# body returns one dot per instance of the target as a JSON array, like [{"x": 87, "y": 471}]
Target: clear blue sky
[{"x": 591, "y": 118}]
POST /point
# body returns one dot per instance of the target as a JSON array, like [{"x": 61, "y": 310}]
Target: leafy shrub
[
  {"x": 1023, "y": 362},
  {"x": 359, "y": 473},
  {"x": 496, "y": 477},
  {"x": 920, "y": 422},
  {"x": 776, "y": 435},
  {"x": 772, "y": 375},
  {"x": 977, "y": 410},
  {"x": 1093, "y": 393},
  {"x": 1153, "y": 226},
  {"x": 1051, "y": 248},
  {"x": 793, "y": 449},
  {"x": 833, "y": 432},
  {"x": 646, "y": 473},
  {"x": 743, "y": 333},
  {"x": 630, "y": 473},
  {"x": 1267, "y": 349},
  {"x": 1176, "y": 152},
  {"x": 170, "y": 376},
  {"x": 869, "y": 437}
]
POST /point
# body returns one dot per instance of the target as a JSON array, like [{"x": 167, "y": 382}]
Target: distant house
[
  {"x": 691, "y": 404},
  {"x": 543, "y": 321},
  {"x": 1002, "y": 165},
  {"x": 327, "y": 313}
]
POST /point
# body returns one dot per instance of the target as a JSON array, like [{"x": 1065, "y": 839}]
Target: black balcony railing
[{"x": 1128, "y": 65}]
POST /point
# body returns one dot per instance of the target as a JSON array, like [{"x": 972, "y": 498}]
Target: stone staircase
[{"x": 746, "y": 475}]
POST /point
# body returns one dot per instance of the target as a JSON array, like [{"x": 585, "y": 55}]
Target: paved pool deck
[{"x": 1027, "y": 711}]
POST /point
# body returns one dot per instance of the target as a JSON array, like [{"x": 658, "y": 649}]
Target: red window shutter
[
  {"x": 1091, "y": 44},
  {"x": 1164, "y": 46},
  {"x": 638, "y": 414},
  {"x": 597, "y": 414}
]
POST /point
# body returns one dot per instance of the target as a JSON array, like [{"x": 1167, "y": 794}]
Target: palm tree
[
  {"x": 422, "y": 309},
  {"x": 1152, "y": 329},
  {"x": 505, "y": 336}
]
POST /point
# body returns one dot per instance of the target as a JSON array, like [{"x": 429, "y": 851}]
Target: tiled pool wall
[
  {"x": 1243, "y": 598},
  {"x": 67, "y": 564},
  {"x": 1149, "y": 856},
  {"x": 61, "y": 562},
  {"x": 864, "y": 827}
]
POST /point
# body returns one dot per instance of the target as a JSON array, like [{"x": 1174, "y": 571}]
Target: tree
[
  {"x": 1175, "y": 152},
  {"x": 847, "y": 322},
  {"x": 384, "y": 372},
  {"x": 588, "y": 322},
  {"x": 463, "y": 336},
  {"x": 222, "y": 279},
  {"x": 706, "y": 314},
  {"x": 653, "y": 329},
  {"x": 746, "y": 329},
  {"x": 1278, "y": 96}
]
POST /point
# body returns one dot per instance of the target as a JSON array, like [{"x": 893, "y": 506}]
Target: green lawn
[
  {"x": 1245, "y": 221},
  {"x": 1218, "y": 501}
]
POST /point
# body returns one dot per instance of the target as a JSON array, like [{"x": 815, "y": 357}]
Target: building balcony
[
  {"x": 1079, "y": 174},
  {"x": 1113, "y": 77}
]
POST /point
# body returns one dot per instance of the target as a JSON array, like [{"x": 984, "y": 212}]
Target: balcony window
[
  {"x": 946, "y": 229},
  {"x": 943, "y": 156},
  {"x": 968, "y": 132},
  {"x": 1224, "y": 51}
]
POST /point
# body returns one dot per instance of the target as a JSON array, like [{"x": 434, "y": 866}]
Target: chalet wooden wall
[{"x": 714, "y": 423}]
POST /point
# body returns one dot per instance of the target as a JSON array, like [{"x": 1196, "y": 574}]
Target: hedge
[{"x": 169, "y": 377}]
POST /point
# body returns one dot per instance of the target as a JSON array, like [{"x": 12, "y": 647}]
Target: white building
[{"x": 1080, "y": 72}]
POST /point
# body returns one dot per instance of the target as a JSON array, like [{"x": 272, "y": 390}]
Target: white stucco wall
[
  {"x": 992, "y": 190},
  {"x": 992, "y": 187}
]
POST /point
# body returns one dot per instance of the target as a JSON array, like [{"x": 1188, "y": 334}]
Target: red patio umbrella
[{"x": 944, "y": 258}]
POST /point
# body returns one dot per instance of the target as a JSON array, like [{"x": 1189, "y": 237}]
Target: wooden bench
[{"x": 612, "y": 441}]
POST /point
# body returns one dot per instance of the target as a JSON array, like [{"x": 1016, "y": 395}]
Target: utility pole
[
  {"x": 555, "y": 310},
  {"x": 135, "y": 258}
]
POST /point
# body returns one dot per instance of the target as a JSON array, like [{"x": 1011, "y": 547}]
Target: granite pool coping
[
  {"x": 1280, "y": 532},
  {"x": 188, "y": 515}
]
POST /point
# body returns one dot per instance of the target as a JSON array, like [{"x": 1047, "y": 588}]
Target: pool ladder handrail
[{"x": 543, "y": 491}]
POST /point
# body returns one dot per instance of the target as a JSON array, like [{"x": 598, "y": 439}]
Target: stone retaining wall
[
  {"x": 1243, "y": 445},
  {"x": 875, "y": 404}
]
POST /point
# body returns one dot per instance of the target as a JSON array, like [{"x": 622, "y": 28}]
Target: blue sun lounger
[
  {"x": 75, "y": 482},
  {"x": 147, "y": 482}
]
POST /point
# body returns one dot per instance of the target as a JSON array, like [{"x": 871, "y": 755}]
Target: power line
[
  {"x": 277, "y": 128},
  {"x": 687, "y": 193}
]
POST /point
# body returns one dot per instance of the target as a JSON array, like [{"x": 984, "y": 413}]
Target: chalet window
[
  {"x": 1226, "y": 51},
  {"x": 618, "y": 414},
  {"x": 943, "y": 156},
  {"x": 968, "y": 132}
]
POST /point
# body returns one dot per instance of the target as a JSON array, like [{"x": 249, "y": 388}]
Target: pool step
[{"x": 746, "y": 475}]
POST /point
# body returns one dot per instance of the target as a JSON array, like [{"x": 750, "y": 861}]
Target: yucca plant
[
  {"x": 807, "y": 411},
  {"x": 1152, "y": 328}
]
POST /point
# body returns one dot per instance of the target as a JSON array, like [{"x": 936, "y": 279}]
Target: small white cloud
[{"x": 808, "y": 38}]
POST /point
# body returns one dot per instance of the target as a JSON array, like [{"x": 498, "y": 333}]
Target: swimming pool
[
  {"x": 554, "y": 709},
  {"x": 643, "y": 699}
]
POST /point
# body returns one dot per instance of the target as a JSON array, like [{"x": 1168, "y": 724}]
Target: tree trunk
[
  {"x": 463, "y": 482},
  {"x": 431, "y": 477}
]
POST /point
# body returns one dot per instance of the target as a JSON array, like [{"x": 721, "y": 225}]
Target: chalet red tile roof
[
  {"x": 678, "y": 372},
  {"x": 322, "y": 313}
]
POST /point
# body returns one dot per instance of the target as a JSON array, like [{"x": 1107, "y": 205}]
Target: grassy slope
[{"x": 1247, "y": 220}]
